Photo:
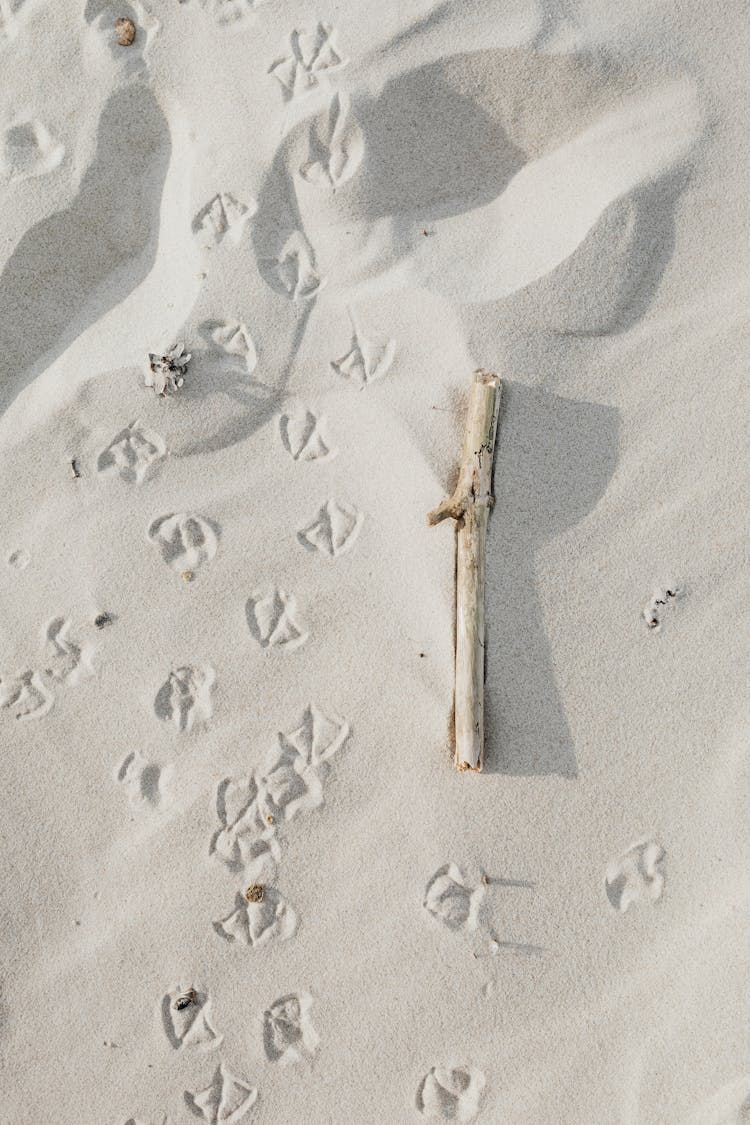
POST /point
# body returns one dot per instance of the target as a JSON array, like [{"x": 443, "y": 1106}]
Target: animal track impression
[
  {"x": 452, "y": 1095},
  {"x": 28, "y": 149},
  {"x": 295, "y": 268},
  {"x": 288, "y": 784},
  {"x": 19, "y": 559},
  {"x": 186, "y": 1020},
  {"x": 318, "y": 737},
  {"x": 186, "y": 541},
  {"x": 366, "y": 361},
  {"x": 302, "y": 435},
  {"x": 26, "y": 695},
  {"x": 244, "y": 839},
  {"x": 336, "y": 147},
  {"x": 145, "y": 781},
  {"x": 233, "y": 338},
  {"x": 256, "y": 923},
  {"x": 313, "y": 56},
  {"x": 334, "y": 530},
  {"x": 272, "y": 620},
  {"x": 636, "y": 876},
  {"x": 222, "y": 217},
  {"x": 286, "y": 787},
  {"x": 66, "y": 660},
  {"x": 288, "y": 1032},
  {"x": 185, "y": 697},
  {"x": 451, "y": 900},
  {"x": 225, "y": 1101},
  {"x": 132, "y": 453},
  {"x": 229, "y": 11}
]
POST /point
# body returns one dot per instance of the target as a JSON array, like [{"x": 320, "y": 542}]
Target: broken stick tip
[{"x": 447, "y": 510}]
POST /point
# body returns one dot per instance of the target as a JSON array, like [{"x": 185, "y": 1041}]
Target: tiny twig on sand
[{"x": 470, "y": 507}]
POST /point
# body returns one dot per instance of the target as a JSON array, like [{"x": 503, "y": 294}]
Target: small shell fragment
[
  {"x": 186, "y": 1000},
  {"x": 125, "y": 31},
  {"x": 166, "y": 373}
]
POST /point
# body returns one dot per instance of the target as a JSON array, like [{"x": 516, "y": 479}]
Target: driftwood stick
[{"x": 470, "y": 507}]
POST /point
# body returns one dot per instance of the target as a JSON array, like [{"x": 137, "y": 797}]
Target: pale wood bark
[{"x": 470, "y": 507}]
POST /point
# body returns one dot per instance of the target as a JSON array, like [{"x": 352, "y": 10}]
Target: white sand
[{"x": 553, "y": 190}]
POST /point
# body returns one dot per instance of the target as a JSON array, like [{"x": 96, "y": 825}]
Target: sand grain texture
[{"x": 226, "y": 634}]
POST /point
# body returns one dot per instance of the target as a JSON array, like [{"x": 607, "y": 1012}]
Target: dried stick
[{"x": 470, "y": 507}]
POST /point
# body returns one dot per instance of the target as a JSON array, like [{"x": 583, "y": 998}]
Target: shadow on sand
[
  {"x": 76, "y": 264},
  {"x": 555, "y": 458}
]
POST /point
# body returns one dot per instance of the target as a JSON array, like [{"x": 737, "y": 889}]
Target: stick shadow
[{"x": 555, "y": 457}]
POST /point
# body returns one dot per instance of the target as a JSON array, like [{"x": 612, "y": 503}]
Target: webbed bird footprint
[
  {"x": 451, "y": 899},
  {"x": 232, "y": 338},
  {"x": 26, "y": 695},
  {"x": 334, "y": 529},
  {"x": 273, "y": 620},
  {"x": 336, "y": 146},
  {"x": 244, "y": 840},
  {"x": 318, "y": 737},
  {"x": 313, "y": 56},
  {"x": 255, "y": 923},
  {"x": 186, "y": 1019},
  {"x": 186, "y": 540},
  {"x": 29, "y": 149},
  {"x": 66, "y": 659},
  {"x": 294, "y": 270},
  {"x": 451, "y": 1094},
  {"x": 222, "y": 217},
  {"x": 225, "y": 1101},
  {"x": 146, "y": 782},
  {"x": 287, "y": 786},
  {"x": 184, "y": 699},
  {"x": 636, "y": 876},
  {"x": 303, "y": 435},
  {"x": 132, "y": 453},
  {"x": 288, "y": 1032},
  {"x": 366, "y": 361}
]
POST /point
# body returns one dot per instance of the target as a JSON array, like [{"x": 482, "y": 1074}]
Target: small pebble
[
  {"x": 125, "y": 31},
  {"x": 188, "y": 575},
  {"x": 254, "y": 893},
  {"x": 102, "y": 619}
]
